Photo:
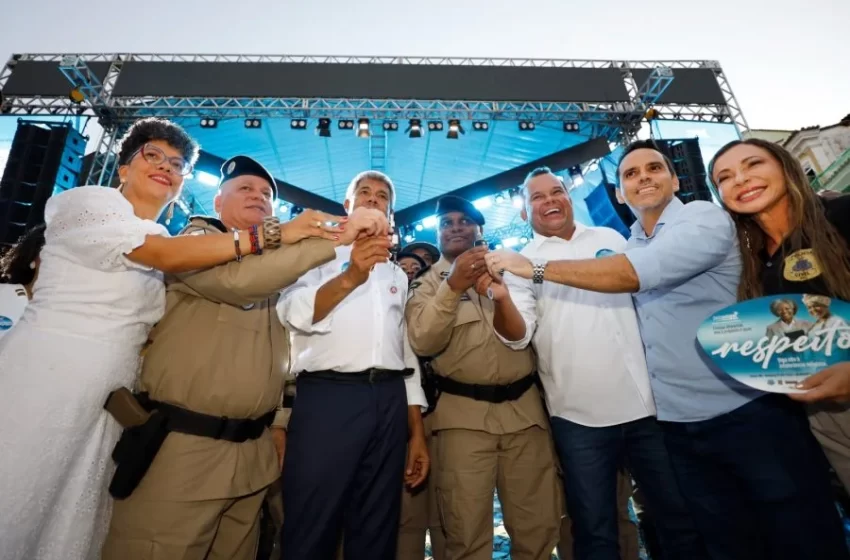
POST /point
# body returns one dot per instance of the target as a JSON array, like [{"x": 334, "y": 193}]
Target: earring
[
  {"x": 121, "y": 187},
  {"x": 169, "y": 213},
  {"x": 32, "y": 265},
  {"x": 747, "y": 240}
]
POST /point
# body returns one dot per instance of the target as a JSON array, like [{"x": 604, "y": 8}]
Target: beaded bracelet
[{"x": 255, "y": 240}]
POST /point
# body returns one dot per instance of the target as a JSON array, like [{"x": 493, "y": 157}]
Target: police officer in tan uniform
[
  {"x": 490, "y": 426},
  {"x": 215, "y": 367}
]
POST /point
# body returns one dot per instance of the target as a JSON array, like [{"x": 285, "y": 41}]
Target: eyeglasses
[{"x": 156, "y": 156}]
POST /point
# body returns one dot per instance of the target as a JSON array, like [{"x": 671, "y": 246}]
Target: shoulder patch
[{"x": 444, "y": 274}]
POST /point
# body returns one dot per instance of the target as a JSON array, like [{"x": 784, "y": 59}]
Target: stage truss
[{"x": 618, "y": 122}]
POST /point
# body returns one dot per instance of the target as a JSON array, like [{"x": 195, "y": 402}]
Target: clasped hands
[
  {"x": 344, "y": 230},
  {"x": 483, "y": 270}
]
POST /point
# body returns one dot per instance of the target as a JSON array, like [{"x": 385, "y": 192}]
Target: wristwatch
[{"x": 538, "y": 267}]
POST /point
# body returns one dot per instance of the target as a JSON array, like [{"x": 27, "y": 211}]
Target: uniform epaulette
[
  {"x": 417, "y": 281},
  {"x": 207, "y": 220}
]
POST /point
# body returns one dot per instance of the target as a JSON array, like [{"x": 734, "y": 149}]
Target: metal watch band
[{"x": 537, "y": 271}]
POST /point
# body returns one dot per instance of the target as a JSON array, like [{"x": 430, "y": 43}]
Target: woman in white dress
[
  {"x": 18, "y": 271},
  {"x": 99, "y": 292}
]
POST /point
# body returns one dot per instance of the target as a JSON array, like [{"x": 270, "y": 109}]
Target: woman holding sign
[{"x": 793, "y": 242}]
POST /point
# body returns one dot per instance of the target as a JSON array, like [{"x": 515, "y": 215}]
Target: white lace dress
[{"x": 79, "y": 339}]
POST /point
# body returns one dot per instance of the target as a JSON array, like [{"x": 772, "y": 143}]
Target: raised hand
[
  {"x": 466, "y": 269},
  {"x": 311, "y": 223},
  {"x": 365, "y": 254},
  {"x": 364, "y": 222}
]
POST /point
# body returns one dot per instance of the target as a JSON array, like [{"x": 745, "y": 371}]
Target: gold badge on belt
[{"x": 801, "y": 266}]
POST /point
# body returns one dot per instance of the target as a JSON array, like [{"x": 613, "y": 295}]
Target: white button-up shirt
[
  {"x": 589, "y": 350},
  {"x": 365, "y": 330}
]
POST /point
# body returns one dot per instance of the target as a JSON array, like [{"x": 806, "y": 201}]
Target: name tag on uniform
[
  {"x": 801, "y": 266},
  {"x": 465, "y": 297},
  {"x": 444, "y": 274}
]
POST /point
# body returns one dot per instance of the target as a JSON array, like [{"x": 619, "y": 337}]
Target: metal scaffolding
[
  {"x": 101, "y": 104},
  {"x": 618, "y": 122}
]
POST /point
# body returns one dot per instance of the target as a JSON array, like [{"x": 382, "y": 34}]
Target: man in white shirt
[
  {"x": 592, "y": 365},
  {"x": 358, "y": 393}
]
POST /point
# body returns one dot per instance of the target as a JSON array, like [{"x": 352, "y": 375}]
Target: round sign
[
  {"x": 5, "y": 323},
  {"x": 772, "y": 343}
]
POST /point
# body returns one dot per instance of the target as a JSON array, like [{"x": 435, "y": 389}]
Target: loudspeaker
[
  {"x": 606, "y": 211},
  {"x": 690, "y": 168},
  {"x": 45, "y": 157}
]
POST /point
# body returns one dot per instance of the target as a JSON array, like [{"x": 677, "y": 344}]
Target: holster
[
  {"x": 134, "y": 453},
  {"x": 429, "y": 384}
]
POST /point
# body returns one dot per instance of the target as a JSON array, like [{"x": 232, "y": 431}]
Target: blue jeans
[
  {"x": 591, "y": 457},
  {"x": 756, "y": 482}
]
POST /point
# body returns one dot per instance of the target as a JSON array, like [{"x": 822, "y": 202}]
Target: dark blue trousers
[
  {"x": 343, "y": 469},
  {"x": 756, "y": 482},
  {"x": 591, "y": 457}
]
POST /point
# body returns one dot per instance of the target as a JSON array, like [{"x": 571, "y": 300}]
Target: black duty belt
[
  {"x": 205, "y": 425},
  {"x": 371, "y": 375},
  {"x": 489, "y": 393}
]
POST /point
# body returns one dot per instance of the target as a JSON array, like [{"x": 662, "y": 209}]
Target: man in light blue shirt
[{"x": 753, "y": 475}]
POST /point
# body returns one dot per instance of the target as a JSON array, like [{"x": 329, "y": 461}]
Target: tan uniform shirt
[
  {"x": 457, "y": 331},
  {"x": 221, "y": 350}
]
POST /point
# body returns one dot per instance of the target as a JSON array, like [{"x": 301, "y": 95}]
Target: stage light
[
  {"x": 409, "y": 238},
  {"x": 429, "y": 222},
  {"x": 483, "y": 203},
  {"x": 209, "y": 122},
  {"x": 419, "y": 227},
  {"x": 390, "y": 126},
  {"x": 523, "y": 240},
  {"x": 76, "y": 96},
  {"x": 435, "y": 125},
  {"x": 480, "y": 126},
  {"x": 345, "y": 124},
  {"x": 526, "y": 125},
  {"x": 510, "y": 242},
  {"x": 517, "y": 201},
  {"x": 499, "y": 246},
  {"x": 575, "y": 176},
  {"x": 570, "y": 127},
  {"x": 500, "y": 199},
  {"x": 323, "y": 129},
  {"x": 363, "y": 128},
  {"x": 613, "y": 146},
  {"x": 414, "y": 129},
  {"x": 651, "y": 114},
  {"x": 253, "y": 123},
  {"x": 206, "y": 178},
  {"x": 298, "y": 124},
  {"x": 454, "y": 129}
]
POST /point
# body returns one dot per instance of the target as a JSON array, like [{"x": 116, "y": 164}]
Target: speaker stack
[
  {"x": 689, "y": 167},
  {"x": 45, "y": 158}
]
